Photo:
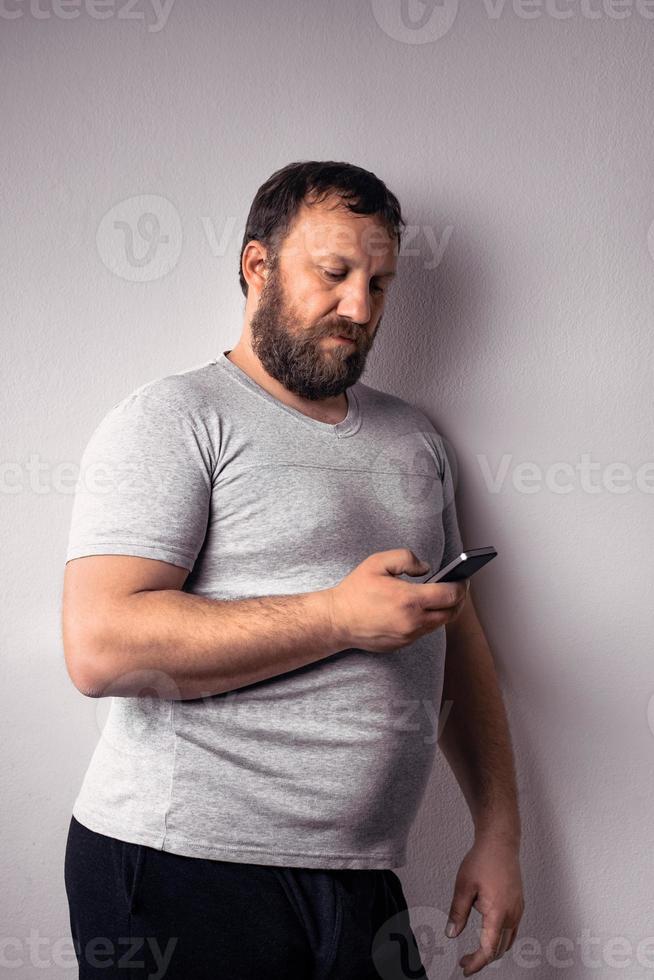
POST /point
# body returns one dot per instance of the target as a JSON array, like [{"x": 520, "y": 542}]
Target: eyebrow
[{"x": 342, "y": 258}]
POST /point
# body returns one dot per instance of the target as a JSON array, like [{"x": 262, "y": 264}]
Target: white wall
[{"x": 521, "y": 141}]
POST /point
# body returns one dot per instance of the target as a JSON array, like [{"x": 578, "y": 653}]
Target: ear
[{"x": 253, "y": 265}]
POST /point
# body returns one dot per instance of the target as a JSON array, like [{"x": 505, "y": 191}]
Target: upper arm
[
  {"x": 139, "y": 516},
  {"x": 93, "y": 585}
]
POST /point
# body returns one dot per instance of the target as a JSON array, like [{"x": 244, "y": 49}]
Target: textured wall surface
[{"x": 519, "y": 139}]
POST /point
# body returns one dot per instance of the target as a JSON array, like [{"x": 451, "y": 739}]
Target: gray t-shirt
[{"x": 323, "y": 766}]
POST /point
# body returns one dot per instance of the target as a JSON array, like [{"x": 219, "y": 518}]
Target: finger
[
  {"x": 505, "y": 941},
  {"x": 493, "y": 933},
  {"x": 444, "y": 595},
  {"x": 472, "y": 962},
  {"x": 448, "y": 611},
  {"x": 453, "y": 612},
  {"x": 512, "y": 934},
  {"x": 489, "y": 941},
  {"x": 459, "y": 912}
]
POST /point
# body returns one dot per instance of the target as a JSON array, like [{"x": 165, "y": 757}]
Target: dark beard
[{"x": 295, "y": 356}]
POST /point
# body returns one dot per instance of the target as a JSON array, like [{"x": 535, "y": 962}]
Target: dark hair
[{"x": 279, "y": 199}]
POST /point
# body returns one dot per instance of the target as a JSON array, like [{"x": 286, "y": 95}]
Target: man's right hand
[{"x": 373, "y": 610}]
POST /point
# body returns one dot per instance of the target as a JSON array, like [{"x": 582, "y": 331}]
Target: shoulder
[
  {"x": 401, "y": 417},
  {"x": 397, "y": 408},
  {"x": 187, "y": 393},
  {"x": 164, "y": 420}
]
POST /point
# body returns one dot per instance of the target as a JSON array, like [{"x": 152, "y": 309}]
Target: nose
[{"x": 355, "y": 303}]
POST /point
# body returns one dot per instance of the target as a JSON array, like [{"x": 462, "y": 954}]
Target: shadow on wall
[{"x": 437, "y": 329}]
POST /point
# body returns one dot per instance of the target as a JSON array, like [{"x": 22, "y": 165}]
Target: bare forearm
[
  {"x": 475, "y": 737},
  {"x": 186, "y": 646}
]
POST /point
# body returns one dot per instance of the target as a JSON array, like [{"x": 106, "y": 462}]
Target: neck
[{"x": 330, "y": 410}]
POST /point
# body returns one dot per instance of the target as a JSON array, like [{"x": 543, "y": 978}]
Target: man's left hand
[{"x": 488, "y": 879}]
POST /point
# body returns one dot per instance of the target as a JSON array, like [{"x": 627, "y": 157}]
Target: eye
[{"x": 338, "y": 275}]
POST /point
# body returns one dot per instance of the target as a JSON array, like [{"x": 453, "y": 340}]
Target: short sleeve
[
  {"x": 144, "y": 485},
  {"x": 453, "y": 545}
]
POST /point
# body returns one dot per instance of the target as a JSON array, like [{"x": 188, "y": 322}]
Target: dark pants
[{"x": 137, "y": 912}]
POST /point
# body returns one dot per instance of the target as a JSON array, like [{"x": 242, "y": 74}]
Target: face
[{"x": 330, "y": 278}]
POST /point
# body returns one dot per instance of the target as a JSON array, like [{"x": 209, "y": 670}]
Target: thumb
[
  {"x": 400, "y": 561},
  {"x": 459, "y": 912},
  {"x": 417, "y": 566}
]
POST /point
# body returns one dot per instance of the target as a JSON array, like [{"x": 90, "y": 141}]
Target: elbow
[
  {"x": 90, "y": 686},
  {"x": 89, "y": 692},
  {"x": 85, "y": 676},
  {"x": 83, "y": 659}
]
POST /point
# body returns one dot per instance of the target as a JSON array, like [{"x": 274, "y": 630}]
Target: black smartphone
[{"x": 465, "y": 565}]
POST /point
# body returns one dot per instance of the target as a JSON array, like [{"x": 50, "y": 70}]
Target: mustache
[
  {"x": 344, "y": 332},
  {"x": 359, "y": 334}
]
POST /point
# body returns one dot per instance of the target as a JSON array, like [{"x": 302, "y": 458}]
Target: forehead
[{"x": 329, "y": 228}]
